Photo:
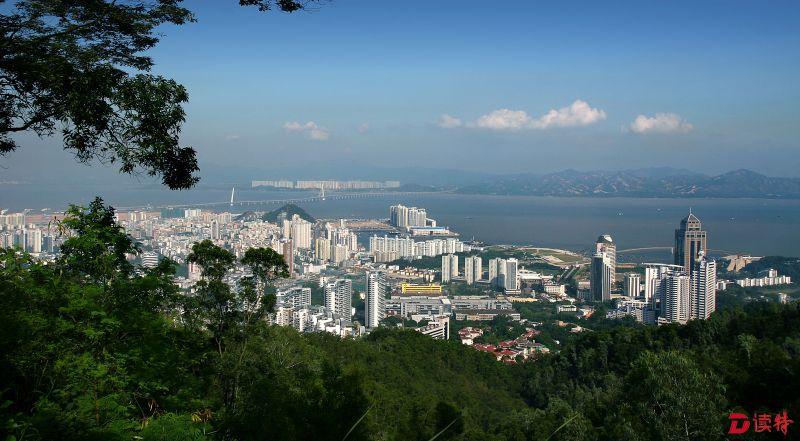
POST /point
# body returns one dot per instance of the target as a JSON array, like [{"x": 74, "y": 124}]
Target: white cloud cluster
[
  {"x": 310, "y": 129},
  {"x": 448, "y": 122},
  {"x": 579, "y": 113},
  {"x": 660, "y": 123},
  {"x": 504, "y": 119}
]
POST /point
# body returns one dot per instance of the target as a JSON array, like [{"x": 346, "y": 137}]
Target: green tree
[
  {"x": 671, "y": 398},
  {"x": 81, "y": 67}
]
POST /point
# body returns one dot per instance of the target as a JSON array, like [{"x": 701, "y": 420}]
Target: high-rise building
[
  {"x": 601, "y": 277},
  {"x": 301, "y": 233},
  {"x": 512, "y": 276},
  {"x": 288, "y": 256},
  {"x": 633, "y": 284},
  {"x": 473, "y": 269},
  {"x": 214, "y": 230},
  {"x": 339, "y": 297},
  {"x": 704, "y": 288},
  {"x": 449, "y": 267},
  {"x": 402, "y": 217},
  {"x": 690, "y": 239},
  {"x": 375, "y": 299},
  {"x": 493, "y": 267},
  {"x": 322, "y": 249},
  {"x": 605, "y": 244},
  {"x": 398, "y": 216},
  {"x": 676, "y": 300},
  {"x": 33, "y": 241}
]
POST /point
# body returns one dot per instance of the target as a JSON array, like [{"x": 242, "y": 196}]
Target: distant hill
[
  {"x": 289, "y": 210},
  {"x": 248, "y": 216},
  {"x": 658, "y": 182}
]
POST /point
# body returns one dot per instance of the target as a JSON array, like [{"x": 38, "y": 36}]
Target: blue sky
[{"x": 356, "y": 84}]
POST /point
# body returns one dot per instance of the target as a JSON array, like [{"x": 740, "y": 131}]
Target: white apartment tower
[
  {"x": 449, "y": 267},
  {"x": 339, "y": 297},
  {"x": 675, "y": 306},
  {"x": 704, "y": 284},
  {"x": 375, "y": 299},
  {"x": 473, "y": 269},
  {"x": 633, "y": 284}
]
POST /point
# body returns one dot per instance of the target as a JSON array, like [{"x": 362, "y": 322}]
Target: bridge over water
[{"x": 246, "y": 203}]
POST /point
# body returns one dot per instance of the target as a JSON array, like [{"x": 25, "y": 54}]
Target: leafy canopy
[{"x": 80, "y": 68}]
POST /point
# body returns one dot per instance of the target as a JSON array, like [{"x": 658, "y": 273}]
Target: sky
[{"x": 495, "y": 87}]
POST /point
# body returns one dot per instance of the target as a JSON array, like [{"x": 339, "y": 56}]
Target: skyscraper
[
  {"x": 704, "y": 288},
  {"x": 339, "y": 297},
  {"x": 601, "y": 277},
  {"x": 375, "y": 299},
  {"x": 473, "y": 269},
  {"x": 690, "y": 239},
  {"x": 605, "y": 244}
]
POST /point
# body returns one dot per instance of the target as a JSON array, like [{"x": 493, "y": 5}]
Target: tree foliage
[{"x": 80, "y": 68}]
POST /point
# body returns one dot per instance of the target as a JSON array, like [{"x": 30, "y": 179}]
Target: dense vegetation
[
  {"x": 287, "y": 211},
  {"x": 93, "y": 347}
]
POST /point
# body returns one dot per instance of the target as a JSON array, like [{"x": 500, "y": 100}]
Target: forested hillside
[{"x": 94, "y": 348}]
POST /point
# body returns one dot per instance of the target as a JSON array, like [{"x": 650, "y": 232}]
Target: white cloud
[
  {"x": 448, "y": 122},
  {"x": 504, "y": 119},
  {"x": 311, "y": 130},
  {"x": 660, "y": 123},
  {"x": 579, "y": 113},
  {"x": 363, "y": 128},
  {"x": 232, "y": 137}
]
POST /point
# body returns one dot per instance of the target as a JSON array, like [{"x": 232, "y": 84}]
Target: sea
[{"x": 643, "y": 228}]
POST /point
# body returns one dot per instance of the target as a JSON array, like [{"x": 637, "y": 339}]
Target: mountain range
[{"x": 653, "y": 182}]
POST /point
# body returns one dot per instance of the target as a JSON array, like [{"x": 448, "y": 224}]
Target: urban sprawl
[{"x": 341, "y": 285}]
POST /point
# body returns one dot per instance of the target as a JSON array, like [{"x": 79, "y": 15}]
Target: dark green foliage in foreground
[{"x": 93, "y": 348}]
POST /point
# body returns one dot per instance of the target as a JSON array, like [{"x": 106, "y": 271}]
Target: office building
[
  {"x": 605, "y": 244},
  {"x": 601, "y": 277},
  {"x": 375, "y": 299},
  {"x": 690, "y": 239}
]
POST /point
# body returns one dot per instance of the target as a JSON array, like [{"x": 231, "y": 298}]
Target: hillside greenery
[{"x": 287, "y": 211}]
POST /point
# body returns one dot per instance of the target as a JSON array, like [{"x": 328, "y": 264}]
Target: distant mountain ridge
[{"x": 657, "y": 182}]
